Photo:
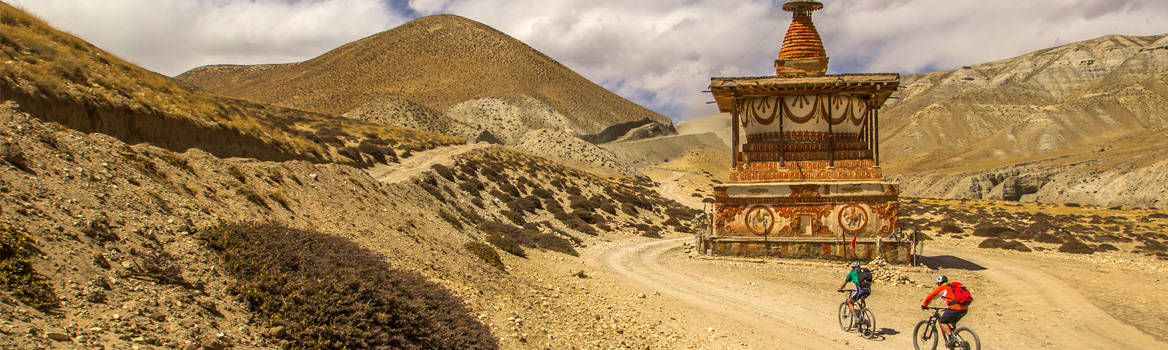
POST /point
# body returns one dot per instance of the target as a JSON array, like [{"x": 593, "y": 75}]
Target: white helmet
[
  {"x": 855, "y": 265},
  {"x": 942, "y": 280}
]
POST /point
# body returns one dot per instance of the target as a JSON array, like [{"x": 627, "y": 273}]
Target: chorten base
[{"x": 807, "y": 220}]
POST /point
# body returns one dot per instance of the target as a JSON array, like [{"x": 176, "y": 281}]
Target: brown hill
[
  {"x": 1075, "y": 123},
  {"x": 1082, "y": 94},
  {"x": 64, "y": 79},
  {"x": 439, "y": 61}
]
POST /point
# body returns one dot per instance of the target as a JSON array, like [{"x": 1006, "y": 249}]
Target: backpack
[
  {"x": 864, "y": 275},
  {"x": 961, "y": 294}
]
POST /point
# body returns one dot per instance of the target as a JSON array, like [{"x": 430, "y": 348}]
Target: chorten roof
[
  {"x": 802, "y": 40},
  {"x": 877, "y": 85}
]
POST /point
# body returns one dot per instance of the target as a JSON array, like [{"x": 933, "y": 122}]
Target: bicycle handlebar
[{"x": 846, "y": 290}]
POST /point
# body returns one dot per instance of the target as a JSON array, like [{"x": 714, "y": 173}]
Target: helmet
[
  {"x": 855, "y": 265},
  {"x": 942, "y": 280}
]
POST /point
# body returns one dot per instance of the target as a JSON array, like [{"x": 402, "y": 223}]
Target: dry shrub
[
  {"x": 486, "y": 253},
  {"x": 509, "y": 238},
  {"x": 471, "y": 186},
  {"x": 608, "y": 208},
  {"x": 329, "y": 293},
  {"x": 1075, "y": 247},
  {"x": 514, "y": 216},
  {"x": 1047, "y": 238},
  {"x": 509, "y": 189},
  {"x": 951, "y": 228},
  {"x": 574, "y": 222},
  {"x": 443, "y": 171},
  {"x": 434, "y": 191},
  {"x": 450, "y": 218},
  {"x": 1157, "y": 216},
  {"x": 554, "y": 243},
  {"x": 1016, "y": 245},
  {"x": 629, "y": 209},
  {"x": 1105, "y": 247},
  {"x": 506, "y": 243},
  {"x": 17, "y": 274},
  {"x": 501, "y": 196}
]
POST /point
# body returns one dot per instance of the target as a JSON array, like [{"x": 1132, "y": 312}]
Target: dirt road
[
  {"x": 761, "y": 304},
  {"x": 672, "y": 190}
]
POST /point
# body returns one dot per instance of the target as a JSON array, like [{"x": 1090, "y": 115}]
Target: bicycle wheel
[
  {"x": 845, "y": 317},
  {"x": 966, "y": 339},
  {"x": 867, "y": 324},
  {"x": 925, "y": 336}
]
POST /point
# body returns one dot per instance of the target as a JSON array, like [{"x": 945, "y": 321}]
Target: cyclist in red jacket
[{"x": 955, "y": 312}]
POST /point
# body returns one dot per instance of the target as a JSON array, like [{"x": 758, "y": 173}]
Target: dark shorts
[
  {"x": 861, "y": 293},
  {"x": 951, "y": 316}
]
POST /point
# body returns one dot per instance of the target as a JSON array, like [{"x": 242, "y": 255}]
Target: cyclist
[
  {"x": 863, "y": 286},
  {"x": 955, "y": 312}
]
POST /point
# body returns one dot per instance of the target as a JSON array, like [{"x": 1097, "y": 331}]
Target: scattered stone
[
  {"x": 276, "y": 332},
  {"x": 951, "y": 228},
  {"x": 95, "y": 296},
  {"x": 58, "y": 336},
  {"x": 100, "y": 261}
]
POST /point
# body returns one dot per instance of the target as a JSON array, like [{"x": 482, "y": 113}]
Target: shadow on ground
[{"x": 950, "y": 262}]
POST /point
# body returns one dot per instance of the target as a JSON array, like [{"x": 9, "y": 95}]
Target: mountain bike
[
  {"x": 926, "y": 335},
  {"x": 865, "y": 323}
]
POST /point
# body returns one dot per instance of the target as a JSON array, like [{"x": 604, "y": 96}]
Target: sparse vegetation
[
  {"x": 17, "y": 275},
  {"x": 486, "y": 253},
  {"x": 328, "y": 293}
]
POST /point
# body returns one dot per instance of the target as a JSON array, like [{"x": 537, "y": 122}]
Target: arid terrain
[{"x": 140, "y": 212}]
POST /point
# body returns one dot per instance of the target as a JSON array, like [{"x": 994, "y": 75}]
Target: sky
[{"x": 657, "y": 53}]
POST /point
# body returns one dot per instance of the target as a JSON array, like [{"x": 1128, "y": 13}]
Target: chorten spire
[{"x": 802, "y": 52}]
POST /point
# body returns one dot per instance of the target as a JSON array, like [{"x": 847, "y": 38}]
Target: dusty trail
[
  {"x": 1064, "y": 319},
  {"x": 772, "y": 319},
  {"x": 671, "y": 190},
  {"x": 420, "y": 162},
  {"x": 1041, "y": 311}
]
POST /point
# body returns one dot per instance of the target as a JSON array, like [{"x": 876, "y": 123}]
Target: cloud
[
  {"x": 659, "y": 53},
  {"x": 172, "y": 36}
]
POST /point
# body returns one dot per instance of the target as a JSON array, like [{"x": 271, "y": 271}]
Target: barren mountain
[
  {"x": 1077, "y": 123},
  {"x": 64, "y": 79},
  {"x": 442, "y": 62}
]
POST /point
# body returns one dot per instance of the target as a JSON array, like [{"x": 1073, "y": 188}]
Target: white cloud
[
  {"x": 172, "y": 36},
  {"x": 659, "y": 53}
]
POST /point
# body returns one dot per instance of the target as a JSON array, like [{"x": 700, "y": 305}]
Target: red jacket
[{"x": 946, "y": 292}]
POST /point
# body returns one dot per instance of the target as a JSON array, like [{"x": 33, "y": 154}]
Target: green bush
[
  {"x": 485, "y": 252},
  {"x": 17, "y": 274},
  {"x": 329, "y": 293}
]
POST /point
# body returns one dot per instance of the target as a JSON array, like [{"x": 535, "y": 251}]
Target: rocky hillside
[
  {"x": 117, "y": 235},
  {"x": 1080, "y": 123},
  {"x": 442, "y": 62},
  {"x": 64, "y": 79}
]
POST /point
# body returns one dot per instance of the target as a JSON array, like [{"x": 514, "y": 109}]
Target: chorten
[{"x": 806, "y": 179}]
